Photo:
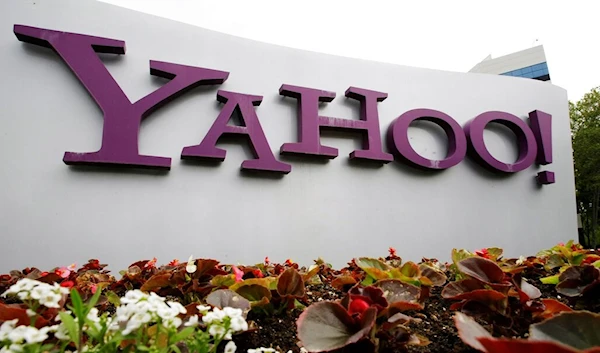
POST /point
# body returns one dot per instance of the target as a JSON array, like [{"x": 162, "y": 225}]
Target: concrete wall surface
[{"x": 52, "y": 214}]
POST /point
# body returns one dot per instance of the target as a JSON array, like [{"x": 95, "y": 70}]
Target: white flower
[
  {"x": 38, "y": 292},
  {"x": 33, "y": 335},
  {"x": 203, "y": 309},
  {"x": 93, "y": 315},
  {"x": 62, "y": 334},
  {"x": 50, "y": 299},
  {"x": 192, "y": 322},
  {"x": 24, "y": 284},
  {"x": 217, "y": 331},
  {"x": 521, "y": 260},
  {"x": 191, "y": 265},
  {"x": 17, "y": 334},
  {"x": 30, "y": 313},
  {"x": 232, "y": 312},
  {"x": 46, "y": 294},
  {"x": 58, "y": 289},
  {"x": 142, "y": 317},
  {"x": 262, "y": 350},
  {"x": 230, "y": 347},
  {"x": 138, "y": 308},
  {"x": 173, "y": 323},
  {"x": 238, "y": 324},
  {"x": 133, "y": 296},
  {"x": 13, "y": 348},
  {"x": 216, "y": 315},
  {"x": 6, "y": 328}
]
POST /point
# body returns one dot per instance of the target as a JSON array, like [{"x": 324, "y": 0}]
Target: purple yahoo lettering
[
  {"x": 244, "y": 103},
  {"x": 122, "y": 118},
  {"x": 310, "y": 122},
  {"x": 525, "y": 139},
  {"x": 541, "y": 125},
  {"x": 546, "y": 177},
  {"x": 398, "y": 142}
]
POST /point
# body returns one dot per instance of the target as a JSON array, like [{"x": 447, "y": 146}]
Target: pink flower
[
  {"x": 238, "y": 274},
  {"x": 63, "y": 272},
  {"x": 72, "y": 267},
  {"x": 561, "y": 244},
  {"x": 267, "y": 261},
  {"x": 93, "y": 288},
  {"x": 483, "y": 253},
  {"x": 151, "y": 263}
]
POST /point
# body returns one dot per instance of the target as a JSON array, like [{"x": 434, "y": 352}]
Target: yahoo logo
[{"x": 122, "y": 118}]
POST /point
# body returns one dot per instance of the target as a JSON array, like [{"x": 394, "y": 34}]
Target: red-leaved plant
[
  {"x": 486, "y": 288},
  {"x": 569, "y": 332},
  {"x": 365, "y": 313},
  {"x": 579, "y": 281}
]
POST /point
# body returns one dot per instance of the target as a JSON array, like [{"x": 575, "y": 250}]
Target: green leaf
[
  {"x": 460, "y": 254},
  {"x": 223, "y": 280},
  {"x": 577, "y": 329},
  {"x": 113, "y": 298},
  {"x": 92, "y": 302},
  {"x": 77, "y": 303},
  {"x": 550, "y": 279},
  {"x": 69, "y": 322},
  {"x": 298, "y": 305},
  {"x": 410, "y": 269},
  {"x": 554, "y": 261},
  {"x": 495, "y": 253},
  {"x": 254, "y": 292},
  {"x": 268, "y": 282},
  {"x": 369, "y": 262},
  {"x": 373, "y": 267},
  {"x": 182, "y": 335},
  {"x": 577, "y": 258},
  {"x": 367, "y": 281}
]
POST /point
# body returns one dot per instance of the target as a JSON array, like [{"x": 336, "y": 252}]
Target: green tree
[{"x": 585, "y": 133}]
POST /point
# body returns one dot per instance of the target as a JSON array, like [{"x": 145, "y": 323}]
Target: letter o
[
  {"x": 399, "y": 143},
  {"x": 525, "y": 139}
]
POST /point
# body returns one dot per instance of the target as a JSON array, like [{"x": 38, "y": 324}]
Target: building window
[{"x": 536, "y": 72}]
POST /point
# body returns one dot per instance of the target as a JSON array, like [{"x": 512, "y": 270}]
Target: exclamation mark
[{"x": 541, "y": 125}]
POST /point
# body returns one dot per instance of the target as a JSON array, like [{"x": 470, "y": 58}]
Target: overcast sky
[{"x": 445, "y": 35}]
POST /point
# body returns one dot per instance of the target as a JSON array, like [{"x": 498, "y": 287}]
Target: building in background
[{"x": 529, "y": 63}]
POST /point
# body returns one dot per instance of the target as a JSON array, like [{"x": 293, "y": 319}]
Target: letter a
[
  {"x": 122, "y": 118},
  {"x": 244, "y": 103}
]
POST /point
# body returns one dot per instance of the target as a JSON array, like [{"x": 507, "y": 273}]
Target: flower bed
[{"x": 479, "y": 301}]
